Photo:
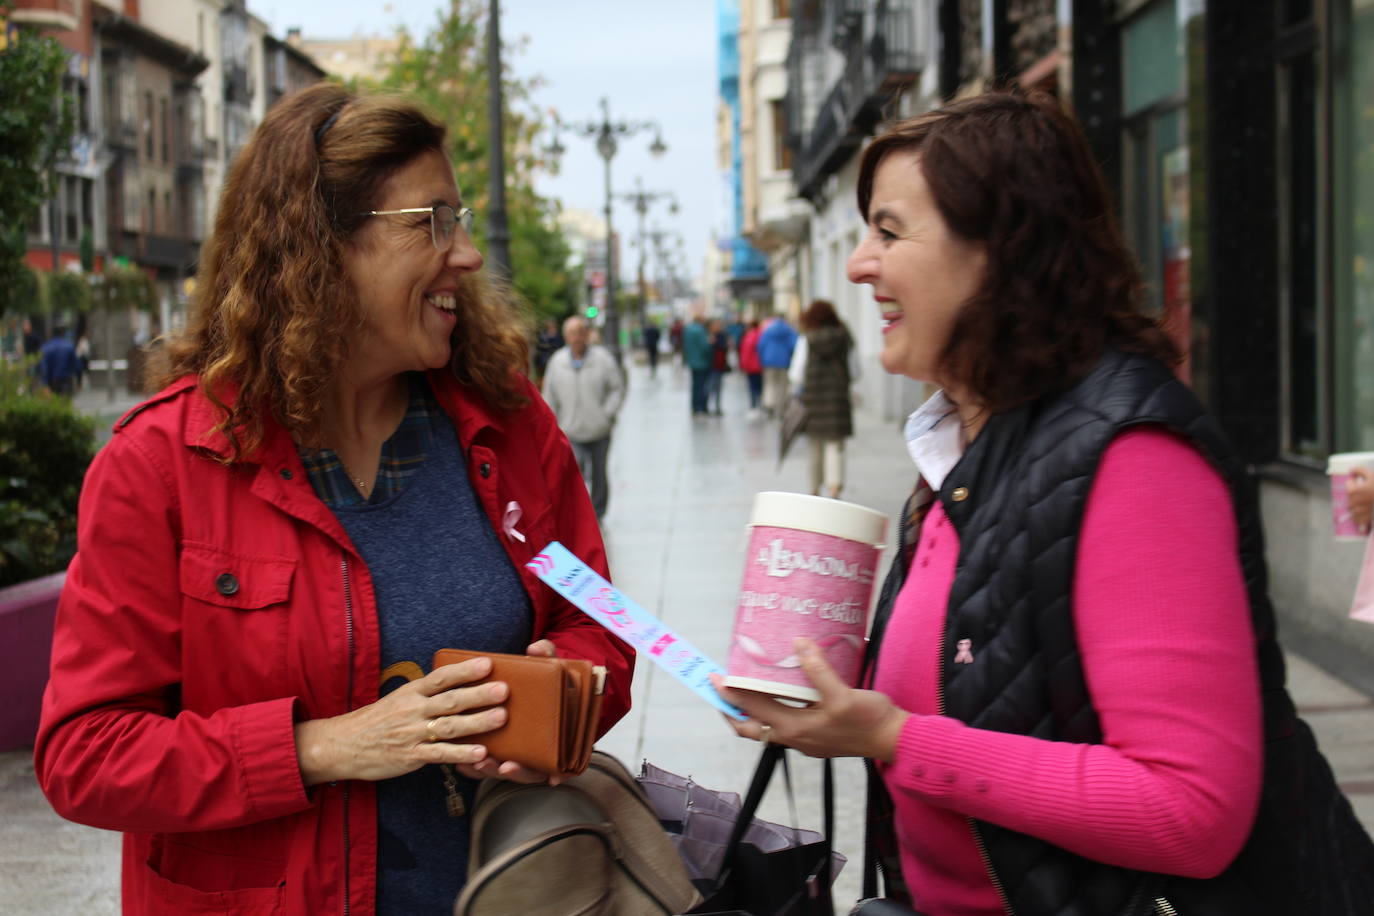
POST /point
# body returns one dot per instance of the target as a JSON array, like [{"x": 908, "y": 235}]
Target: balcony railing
[{"x": 879, "y": 61}]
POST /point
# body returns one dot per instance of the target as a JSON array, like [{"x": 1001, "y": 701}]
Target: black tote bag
[{"x": 788, "y": 882}]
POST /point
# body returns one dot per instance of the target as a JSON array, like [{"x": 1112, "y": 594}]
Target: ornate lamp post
[
  {"x": 605, "y": 133},
  {"x": 640, "y": 199}
]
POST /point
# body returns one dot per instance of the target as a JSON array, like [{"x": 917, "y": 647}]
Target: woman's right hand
[
  {"x": 413, "y": 725},
  {"x": 1359, "y": 496}
]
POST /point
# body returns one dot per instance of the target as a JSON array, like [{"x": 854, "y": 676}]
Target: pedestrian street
[{"x": 681, "y": 490}]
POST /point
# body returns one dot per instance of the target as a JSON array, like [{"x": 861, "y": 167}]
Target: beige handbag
[{"x": 592, "y": 845}]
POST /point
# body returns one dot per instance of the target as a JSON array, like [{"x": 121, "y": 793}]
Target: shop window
[
  {"x": 87, "y": 206},
  {"x": 148, "y": 126},
  {"x": 71, "y": 199},
  {"x": 782, "y": 153},
  {"x": 1300, "y": 296},
  {"x": 1155, "y": 185},
  {"x": 1351, "y": 31},
  {"x": 165, "y": 132}
]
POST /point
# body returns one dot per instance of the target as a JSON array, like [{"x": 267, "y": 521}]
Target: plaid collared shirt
[{"x": 403, "y": 455}]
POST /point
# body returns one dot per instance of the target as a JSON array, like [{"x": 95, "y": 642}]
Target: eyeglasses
[{"x": 442, "y": 219}]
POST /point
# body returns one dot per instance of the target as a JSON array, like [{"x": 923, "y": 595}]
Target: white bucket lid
[
  {"x": 775, "y": 509},
  {"x": 1345, "y": 462}
]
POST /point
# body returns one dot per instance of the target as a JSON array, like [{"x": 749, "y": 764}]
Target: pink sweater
[{"x": 1163, "y": 623}]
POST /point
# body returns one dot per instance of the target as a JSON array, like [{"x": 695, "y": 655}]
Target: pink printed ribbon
[
  {"x": 509, "y": 520},
  {"x": 964, "y": 653}
]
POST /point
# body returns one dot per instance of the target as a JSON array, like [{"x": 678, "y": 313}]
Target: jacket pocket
[
  {"x": 236, "y": 607},
  {"x": 235, "y": 580},
  {"x": 183, "y": 877}
]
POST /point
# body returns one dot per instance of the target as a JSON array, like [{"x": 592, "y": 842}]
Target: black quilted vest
[{"x": 1017, "y": 499}]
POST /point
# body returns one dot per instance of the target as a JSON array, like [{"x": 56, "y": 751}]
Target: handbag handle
[{"x": 763, "y": 774}]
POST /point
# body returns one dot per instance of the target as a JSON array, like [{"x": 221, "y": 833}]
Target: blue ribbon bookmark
[{"x": 558, "y": 568}]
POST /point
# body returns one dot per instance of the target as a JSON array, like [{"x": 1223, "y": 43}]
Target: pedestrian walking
[
  {"x": 720, "y": 365},
  {"x": 58, "y": 366},
  {"x": 584, "y": 387},
  {"x": 546, "y": 345},
  {"x": 347, "y": 472},
  {"x": 675, "y": 332},
  {"x": 823, "y": 370},
  {"x": 32, "y": 342},
  {"x": 1101, "y": 725},
  {"x": 83, "y": 359},
  {"x": 751, "y": 367},
  {"x": 775, "y": 354},
  {"x": 696, "y": 353},
  {"x": 652, "y": 335}
]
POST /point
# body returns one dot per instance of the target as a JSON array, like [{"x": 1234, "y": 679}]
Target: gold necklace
[{"x": 358, "y": 481}]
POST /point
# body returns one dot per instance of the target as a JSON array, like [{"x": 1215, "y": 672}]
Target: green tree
[
  {"x": 36, "y": 122},
  {"x": 447, "y": 73}
]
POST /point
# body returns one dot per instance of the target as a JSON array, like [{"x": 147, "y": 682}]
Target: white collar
[{"x": 935, "y": 439}]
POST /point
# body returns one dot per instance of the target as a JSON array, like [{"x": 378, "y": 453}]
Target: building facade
[
  {"x": 165, "y": 93},
  {"x": 1238, "y": 141},
  {"x": 746, "y": 285}
]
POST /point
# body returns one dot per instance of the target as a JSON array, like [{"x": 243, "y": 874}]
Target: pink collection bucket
[
  {"x": 1338, "y": 468},
  {"x": 809, "y": 571}
]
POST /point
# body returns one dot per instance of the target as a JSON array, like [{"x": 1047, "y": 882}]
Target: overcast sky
[{"x": 653, "y": 59}]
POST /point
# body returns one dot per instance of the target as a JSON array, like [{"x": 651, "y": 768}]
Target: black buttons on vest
[
  {"x": 485, "y": 469},
  {"x": 226, "y": 584},
  {"x": 286, "y": 474}
]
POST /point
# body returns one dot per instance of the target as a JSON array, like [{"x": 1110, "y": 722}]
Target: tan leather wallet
[{"x": 551, "y": 710}]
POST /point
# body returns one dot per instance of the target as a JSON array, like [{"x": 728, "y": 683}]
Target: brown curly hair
[
  {"x": 1012, "y": 171},
  {"x": 272, "y": 294}
]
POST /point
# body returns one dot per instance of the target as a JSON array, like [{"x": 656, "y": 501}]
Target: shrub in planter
[{"x": 45, "y": 446}]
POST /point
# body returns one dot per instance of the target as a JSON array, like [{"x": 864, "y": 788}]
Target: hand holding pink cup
[
  {"x": 809, "y": 571},
  {"x": 1338, "y": 468}
]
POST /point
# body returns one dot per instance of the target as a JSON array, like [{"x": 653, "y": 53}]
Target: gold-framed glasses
[{"x": 442, "y": 220}]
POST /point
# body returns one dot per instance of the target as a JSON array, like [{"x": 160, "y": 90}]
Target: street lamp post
[
  {"x": 605, "y": 132},
  {"x": 498, "y": 232},
  {"x": 640, "y": 199}
]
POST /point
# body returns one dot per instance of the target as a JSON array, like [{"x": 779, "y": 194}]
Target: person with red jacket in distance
[
  {"x": 749, "y": 364},
  {"x": 346, "y": 471}
]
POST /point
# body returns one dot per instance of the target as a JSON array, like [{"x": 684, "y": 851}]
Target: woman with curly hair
[
  {"x": 1076, "y": 701},
  {"x": 345, "y": 471}
]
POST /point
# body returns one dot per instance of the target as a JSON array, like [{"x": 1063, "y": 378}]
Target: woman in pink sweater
[{"x": 1076, "y": 701}]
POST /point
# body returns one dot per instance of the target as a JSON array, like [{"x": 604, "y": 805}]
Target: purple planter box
[{"x": 26, "y": 617}]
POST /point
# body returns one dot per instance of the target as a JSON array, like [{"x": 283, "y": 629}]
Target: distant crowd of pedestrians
[{"x": 814, "y": 367}]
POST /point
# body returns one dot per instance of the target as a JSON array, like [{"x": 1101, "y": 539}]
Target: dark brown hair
[
  {"x": 819, "y": 314},
  {"x": 273, "y": 302},
  {"x": 1013, "y": 172}
]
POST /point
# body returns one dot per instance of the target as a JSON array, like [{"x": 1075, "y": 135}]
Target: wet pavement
[{"x": 681, "y": 491}]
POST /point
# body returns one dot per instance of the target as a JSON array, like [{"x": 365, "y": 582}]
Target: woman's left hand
[
  {"x": 846, "y": 722},
  {"x": 509, "y": 769}
]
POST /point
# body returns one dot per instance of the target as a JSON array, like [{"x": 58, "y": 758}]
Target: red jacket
[
  {"x": 749, "y": 352},
  {"x": 170, "y": 709}
]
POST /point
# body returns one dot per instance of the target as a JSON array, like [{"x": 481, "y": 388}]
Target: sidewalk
[
  {"x": 94, "y": 400},
  {"x": 680, "y": 498}
]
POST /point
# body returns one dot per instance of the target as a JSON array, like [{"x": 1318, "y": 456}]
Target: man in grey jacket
[{"x": 583, "y": 385}]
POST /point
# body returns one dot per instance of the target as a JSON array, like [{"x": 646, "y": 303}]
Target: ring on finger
[
  {"x": 765, "y": 733},
  {"x": 429, "y": 728}
]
